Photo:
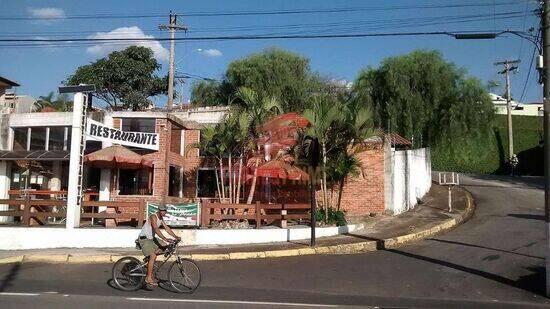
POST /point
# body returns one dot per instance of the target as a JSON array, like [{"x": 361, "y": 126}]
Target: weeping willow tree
[{"x": 426, "y": 99}]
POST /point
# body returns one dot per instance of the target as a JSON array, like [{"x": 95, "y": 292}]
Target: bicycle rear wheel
[
  {"x": 184, "y": 276},
  {"x": 128, "y": 275}
]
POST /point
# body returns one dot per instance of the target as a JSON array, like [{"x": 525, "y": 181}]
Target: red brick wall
[{"x": 365, "y": 194}]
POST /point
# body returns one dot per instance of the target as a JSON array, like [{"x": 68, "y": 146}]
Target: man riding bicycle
[{"x": 150, "y": 245}]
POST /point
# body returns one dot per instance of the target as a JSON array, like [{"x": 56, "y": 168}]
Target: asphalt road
[{"x": 495, "y": 260}]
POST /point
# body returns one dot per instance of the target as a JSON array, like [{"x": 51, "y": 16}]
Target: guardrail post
[
  {"x": 27, "y": 211},
  {"x": 141, "y": 213},
  {"x": 257, "y": 213}
]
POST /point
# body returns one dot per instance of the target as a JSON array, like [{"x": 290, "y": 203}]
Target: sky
[{"x": 41, "y": 68}]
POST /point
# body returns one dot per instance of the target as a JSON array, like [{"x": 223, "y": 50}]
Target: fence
[
  {"x": 410, "y": 177},
  {"x": 256, "y": 212},
  {"x": 113, "y": 211},
  {"x": 33, "y": 212}
]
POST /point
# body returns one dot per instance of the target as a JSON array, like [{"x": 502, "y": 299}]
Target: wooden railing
[
  {"x": 33, "y": 212},
  {"x": 256, "y": 212},
  {"x": 116, "y": 211}
]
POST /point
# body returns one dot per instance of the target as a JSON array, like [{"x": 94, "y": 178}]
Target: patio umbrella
[
  {"x": 116, "y": 156},
  {"x": 282, "y": 170}
]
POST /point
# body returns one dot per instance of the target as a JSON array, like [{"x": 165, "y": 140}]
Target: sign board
[
  {"x": 178, "y": 214},
  {"x": 97, "y": 131}
]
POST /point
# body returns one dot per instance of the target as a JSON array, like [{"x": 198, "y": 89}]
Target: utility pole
[
  {"x": 546, "y": 92},
  {"x": 508, "y": 67},
  {"x": 172, "y": 27}
]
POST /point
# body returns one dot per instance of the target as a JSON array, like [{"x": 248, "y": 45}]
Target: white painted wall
[
  {"x": 411, "y": 178},
  {"x": 4, "y": 187},
  {"x": 21, "y": 238}
]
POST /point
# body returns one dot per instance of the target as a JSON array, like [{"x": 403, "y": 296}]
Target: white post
[
  {"x": 450, "y": 200},
  {"x": 4, "y": 187},
  {"x": 73, "y": 205}
]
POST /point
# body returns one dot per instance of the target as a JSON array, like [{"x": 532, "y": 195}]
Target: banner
[
  {"x": 97, "y": 131},
  {"x": 178, "y": 214}
]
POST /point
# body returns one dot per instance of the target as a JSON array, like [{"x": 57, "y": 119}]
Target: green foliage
[
  {"x": 425, "y": 99},
  {"x": 273, "y": 73},
  {"x": 488, "y": 155},
  {"x": 61, "y": 104},
  {"x": 124, "y": 79},
  {"x": 334, "y": 216}
]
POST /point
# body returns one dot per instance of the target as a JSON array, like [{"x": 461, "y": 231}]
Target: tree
[
  {"x": 339, "y": 123},
  {"x": 273, "y": 73},
  {"x": 254, "y": 110},
  {"x": 61, "y": 104},
  {"x": 123, "y": 79},
  {"x": 207, "y": 93},
  {"x": 423, "y": 97}
]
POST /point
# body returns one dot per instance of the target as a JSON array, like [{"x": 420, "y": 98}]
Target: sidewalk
[{"x": 427, "y": 219}]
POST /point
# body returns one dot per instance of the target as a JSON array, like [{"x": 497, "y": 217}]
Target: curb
[{"x": 360, "y": 247}]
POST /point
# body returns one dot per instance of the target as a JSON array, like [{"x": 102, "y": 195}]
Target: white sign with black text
[{"x": 99, "y": 132}]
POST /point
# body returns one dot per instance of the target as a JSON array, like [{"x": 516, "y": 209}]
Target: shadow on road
[
  {"x": 534, "y": 282},
  {"x": 9, "y": 277},
  {"x": 530, "y": 182},
  {"x": 527, "y": 216},
  {"x": 484, "y": 247}
]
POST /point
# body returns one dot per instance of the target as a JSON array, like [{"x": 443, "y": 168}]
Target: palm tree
[
  {"x": 339, "y": 124},
  {"x": 44, "y": 101},
  {"x": 254, "y": 110},
  {"x": 61, "y": 104},
  {"x": 323, "y": 117}
]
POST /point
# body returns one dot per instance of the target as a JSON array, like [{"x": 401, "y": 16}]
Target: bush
[
  {"x": 488, "y": 155},
  {"x": 337, "y": 217}
]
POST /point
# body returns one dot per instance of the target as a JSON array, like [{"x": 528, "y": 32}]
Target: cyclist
[{"x": 150, "y": 245}]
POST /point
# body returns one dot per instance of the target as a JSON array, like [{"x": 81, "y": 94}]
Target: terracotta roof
[{"x": 396, "y": 139}]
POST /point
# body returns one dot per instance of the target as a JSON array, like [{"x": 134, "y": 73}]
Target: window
[
  {"x": 91, "y": 146},
  {"x": 135, "y": 182},
  {"x": 38, "y": 138},
  {"x": 174, "y": 180},
  {"x": 20, "y": 136},
  {"x": 57, "y": 138},
  {"x": 206, "y": 183},
  {"x": 146, "y": 125}
]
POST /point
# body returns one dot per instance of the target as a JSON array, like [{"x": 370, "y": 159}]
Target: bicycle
[{"x": 184, "y": 274}]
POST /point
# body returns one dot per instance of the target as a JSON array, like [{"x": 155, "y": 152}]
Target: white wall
[
  {"x": 411, "y": 178},
  {"x": 21, "y": 238}
]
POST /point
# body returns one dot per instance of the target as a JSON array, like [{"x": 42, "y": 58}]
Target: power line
[
  {"x": 265, "y": 12},
  {"x": 251, "y": 37}
]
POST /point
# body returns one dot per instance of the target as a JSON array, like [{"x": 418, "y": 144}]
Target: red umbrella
[
  {"x": 281, "y": 169},
  {"x": 116, "y": 157}
]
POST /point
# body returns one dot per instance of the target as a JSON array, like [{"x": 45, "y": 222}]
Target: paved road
[{"x": 495, "y": 260}]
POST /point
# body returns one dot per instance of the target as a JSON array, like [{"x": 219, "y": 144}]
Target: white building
[{"x": 518, "y": 109}]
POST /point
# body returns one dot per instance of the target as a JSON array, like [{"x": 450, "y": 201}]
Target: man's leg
[{"x": 150, "y": 267}]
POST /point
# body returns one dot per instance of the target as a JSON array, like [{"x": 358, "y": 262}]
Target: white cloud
[
  {"x": 134, "y": 32},
  {"x": 47, "y": 13},
  {"x": 210, "y": 52}
]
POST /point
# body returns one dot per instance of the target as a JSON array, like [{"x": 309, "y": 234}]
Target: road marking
[
  {"x": 239, "y": 302},
  {"x": 18, "y": 294}
]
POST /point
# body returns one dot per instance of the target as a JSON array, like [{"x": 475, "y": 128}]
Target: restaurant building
[{"x": 35, "y": 152}]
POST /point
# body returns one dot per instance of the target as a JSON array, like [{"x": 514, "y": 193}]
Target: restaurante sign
[{"x": 99, "y": 132}]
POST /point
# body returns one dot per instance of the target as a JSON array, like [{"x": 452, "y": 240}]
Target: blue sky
[{"x": 41, "y": 69}]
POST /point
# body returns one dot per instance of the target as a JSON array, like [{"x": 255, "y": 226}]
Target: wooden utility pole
[
  {"x": 508, "y": 67},
  {"x": 172, "y": 27}
]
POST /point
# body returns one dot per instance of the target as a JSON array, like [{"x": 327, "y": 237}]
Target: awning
[{"x": 36, "y": 155}]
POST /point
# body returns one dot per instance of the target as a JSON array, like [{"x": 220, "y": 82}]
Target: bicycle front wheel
[
  {"x": 128, "y": 274},
  {"x": 184, "y": 276}
]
